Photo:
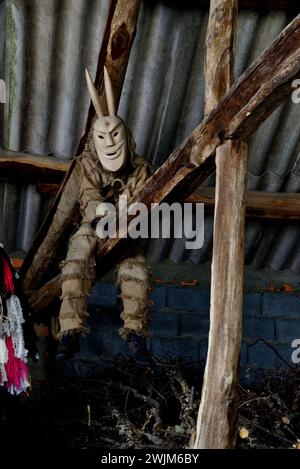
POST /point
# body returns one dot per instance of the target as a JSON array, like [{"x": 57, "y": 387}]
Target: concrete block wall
[{"x": 180, "y": 321}]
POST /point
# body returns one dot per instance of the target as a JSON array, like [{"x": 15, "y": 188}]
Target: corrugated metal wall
[{"x": 43, "y": 53}]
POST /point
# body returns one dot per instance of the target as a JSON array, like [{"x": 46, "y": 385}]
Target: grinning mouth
[{"x": 111, "y": 154}]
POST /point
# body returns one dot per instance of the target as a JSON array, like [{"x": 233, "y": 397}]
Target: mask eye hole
[
  {"x": 116, "y": 133},
  {"x": 100, "y": 136}
]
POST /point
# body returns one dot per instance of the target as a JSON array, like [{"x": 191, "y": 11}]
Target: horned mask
[{"x": 109, "y": 132}]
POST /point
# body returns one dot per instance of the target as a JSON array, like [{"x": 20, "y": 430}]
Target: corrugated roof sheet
[{"x": 44, "y": 48}]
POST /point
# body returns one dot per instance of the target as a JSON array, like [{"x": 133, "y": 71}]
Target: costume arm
[
  {"x": 141, "y": 174},
  {"x": 89, "y": 190}
]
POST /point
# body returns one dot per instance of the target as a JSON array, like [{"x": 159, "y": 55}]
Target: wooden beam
[
  {"x": 41, "y": 301},
  {"x": 259, "y": 204},
  {"x": 25, "y": 168},
  {"x": 248, "y": 103},
  {"x": 270, "y": 205},
  {"x": 219, "y": 389},
  {"x": 261, "y": 5},
  {"x": 217, "y": 418},
  {"x": 116, "y": 45}
]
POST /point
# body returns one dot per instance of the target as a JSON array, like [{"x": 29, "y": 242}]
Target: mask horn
[
  {"x": 109, "y": 94},
  {"x": 93, "y": 94}
]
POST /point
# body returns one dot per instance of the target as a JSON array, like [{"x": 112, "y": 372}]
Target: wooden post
[
  {"x": 219, "y": 52},
  {"x": 216, "y": 425}
]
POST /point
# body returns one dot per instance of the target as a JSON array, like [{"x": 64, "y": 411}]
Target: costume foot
[
  {"x": 68, "y": 346},
  {"x": 137, "y": 348}
]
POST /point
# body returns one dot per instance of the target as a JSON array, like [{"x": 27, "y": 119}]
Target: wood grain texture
[
  {"x": 219, "y": 51},
  {"x": 259, "y": 204},
  {"x": 26, "y": 168},
  {"x": 228, "y": 258},
  {"x": 41, "y": 301},
  {"x": 217, "y": 419}
]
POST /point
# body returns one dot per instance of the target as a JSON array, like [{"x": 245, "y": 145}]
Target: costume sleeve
[
  {"x": 89, "y": 188},
  {"x": 140, "y": 176}
]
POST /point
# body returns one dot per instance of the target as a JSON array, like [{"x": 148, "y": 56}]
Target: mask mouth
[{"x": 112, "y": 152}]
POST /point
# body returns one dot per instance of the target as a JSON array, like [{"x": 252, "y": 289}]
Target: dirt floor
[{"x": 155, "y": 406}]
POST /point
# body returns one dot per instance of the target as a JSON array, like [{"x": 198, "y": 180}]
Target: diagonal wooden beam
[
  {"x": 259, "y": 91},
  {"x": 248, "y": 103}
]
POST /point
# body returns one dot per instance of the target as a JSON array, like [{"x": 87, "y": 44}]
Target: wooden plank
[
  {"x": 259, "y": 204},
  {"x": 217, "y": 419},
  {"x": 116, "y": 45},
  {"x": 260, "y": 5},
  {"x": 270, "y": 205},
  {"x": 49, "y": 189},
  {"x": 26, "y": 168}
]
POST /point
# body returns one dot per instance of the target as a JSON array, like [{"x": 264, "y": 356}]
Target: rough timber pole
[{"x": 217, "y": 418}]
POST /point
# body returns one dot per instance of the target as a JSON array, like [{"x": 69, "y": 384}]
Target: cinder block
[
  {"x": 188, "y": 299},
  {"x": 261, "y": 356},
  {"x": 193, "y": 325},
  {"x": 259, "y": 328},
  {"x": 244, "y": 354},
  {"x": 112, "y": 345},
  {"x": 159, "y": 298},
  {"x": 281, "y": 305},
  {"x": 171, "y": 349},
  {"x": 203, "y": 351},
  {"x": 84, "y": 367},
  {"x": 252, "y": 304},
  {"x": 103, "y": 294},
  {"x": 287, "y": 330},
  {"x": 104, "y": 320},
  {"x": 90, "y": 345},
  {"x": 286, "y": 352},
  {"x": 163, "y": 323}
]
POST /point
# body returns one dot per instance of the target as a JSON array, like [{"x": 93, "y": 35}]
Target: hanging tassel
[
  {"x": 8, "y": 278},
  {"x": 16, "y": 371}
]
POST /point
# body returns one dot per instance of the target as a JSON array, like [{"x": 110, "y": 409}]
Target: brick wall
[{"x": 179, "y": 327}]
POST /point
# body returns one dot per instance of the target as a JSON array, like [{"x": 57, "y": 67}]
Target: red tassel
[
  {"x": 16, "y": 370},
  {"x": 8, "y": 278}
]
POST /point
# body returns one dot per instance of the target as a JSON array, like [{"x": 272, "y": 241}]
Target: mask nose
[{"x": 108, "y": 140}]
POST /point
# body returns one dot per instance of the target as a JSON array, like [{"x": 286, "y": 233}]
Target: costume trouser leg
[
  {"x": 133, "y": 278},
  {"x": 78, "y": 275}
]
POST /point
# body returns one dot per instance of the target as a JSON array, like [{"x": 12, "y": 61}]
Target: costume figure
[{"x": 109, "y": 168}]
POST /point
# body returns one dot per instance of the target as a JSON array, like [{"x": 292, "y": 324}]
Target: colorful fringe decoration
[{"x": 14, "y": 371}]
